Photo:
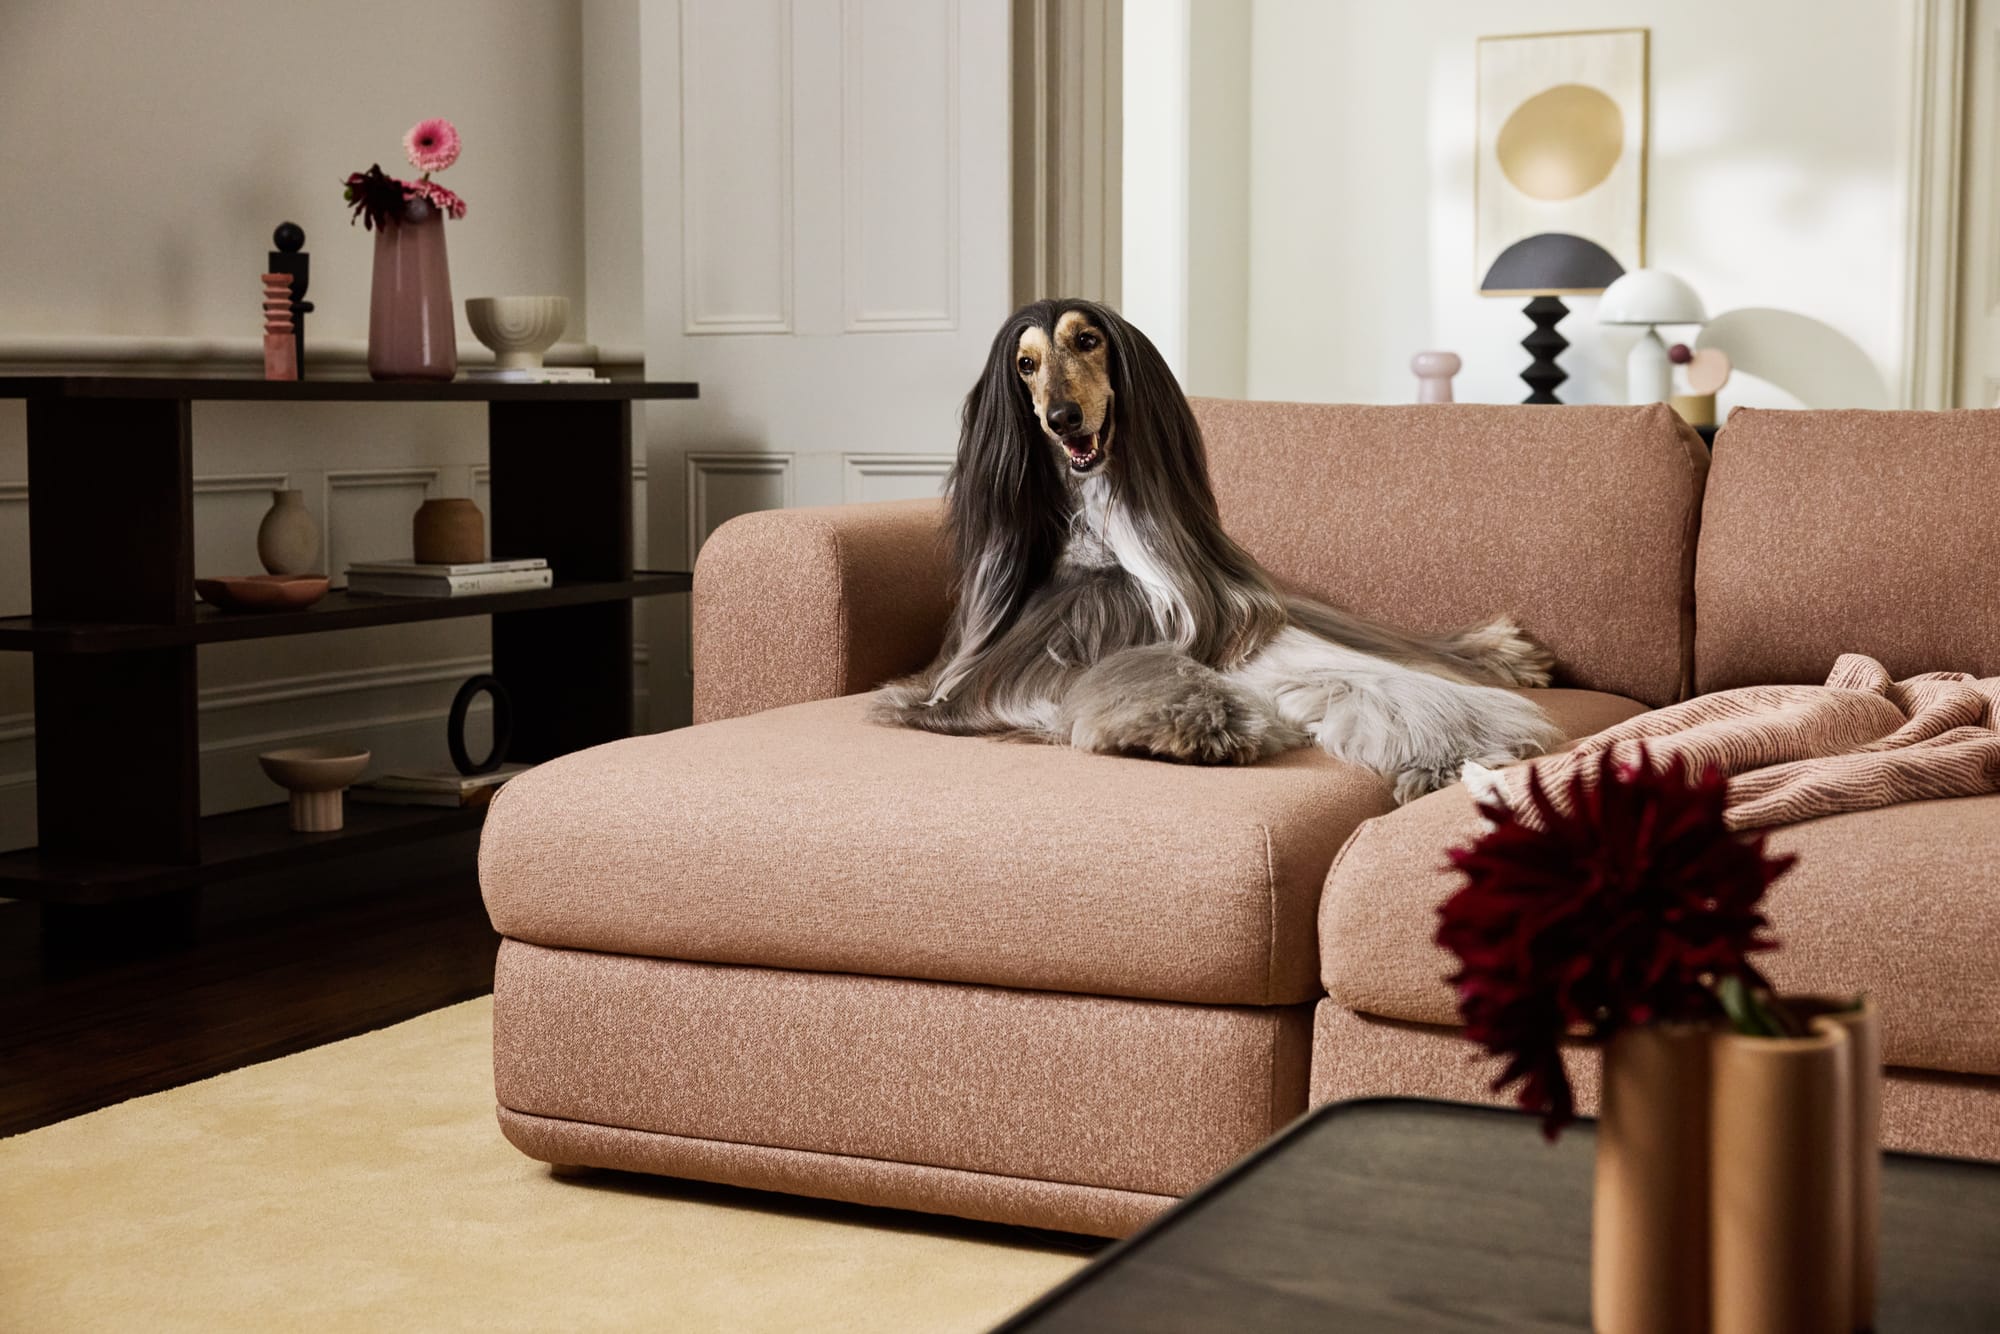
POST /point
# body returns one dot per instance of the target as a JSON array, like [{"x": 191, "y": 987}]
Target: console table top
[{"x": 217, "y": 388}]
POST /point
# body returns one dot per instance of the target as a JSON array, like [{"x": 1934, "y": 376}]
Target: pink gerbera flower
[
  {"x": 432, "y": 145},
  {"x": 445, "y": 201}
]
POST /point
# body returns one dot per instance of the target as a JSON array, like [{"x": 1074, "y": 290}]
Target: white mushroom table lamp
[{"x": 1649, "y": 297}]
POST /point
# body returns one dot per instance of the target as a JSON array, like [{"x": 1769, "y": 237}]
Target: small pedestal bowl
[
  {"x": 519, "y": 329},
  {"x": 316, "y": 776}
]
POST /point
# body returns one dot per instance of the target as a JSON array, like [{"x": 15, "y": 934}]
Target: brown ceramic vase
[
  {"x": 448, "y": 532},
  {"x": 1782, "y": 1180},
  {"x": 1649, "y": 1233}
]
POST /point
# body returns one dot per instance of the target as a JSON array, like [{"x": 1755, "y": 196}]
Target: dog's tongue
[{"x": 1081, "y": 446}]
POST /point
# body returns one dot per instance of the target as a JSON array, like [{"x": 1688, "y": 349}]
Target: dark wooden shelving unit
[
  {"x": 115, "y": 625},
  {"x": 338, "y": 610}
]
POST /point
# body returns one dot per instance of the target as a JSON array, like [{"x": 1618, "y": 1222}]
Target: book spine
[
  {"x": 408, "y": 570},
  {"x": 453, "y": 585}
]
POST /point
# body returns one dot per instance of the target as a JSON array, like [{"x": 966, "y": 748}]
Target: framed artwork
[{"x": 1560, "y": 172}]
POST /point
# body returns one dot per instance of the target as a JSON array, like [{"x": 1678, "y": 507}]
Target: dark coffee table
[{"x": 1398, "y": 1214}]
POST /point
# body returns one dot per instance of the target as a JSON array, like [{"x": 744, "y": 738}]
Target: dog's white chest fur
[
  {"x": 1089, "y": 542},
  {"x": 1103, "y": 535}
]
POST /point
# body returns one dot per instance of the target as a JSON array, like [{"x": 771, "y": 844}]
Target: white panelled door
[
  {"x": 825, "y": 203},
  {"x": 1978, "y": 378}
]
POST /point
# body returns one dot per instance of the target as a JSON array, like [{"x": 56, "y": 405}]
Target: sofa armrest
[{"x": 802, "y": 604}]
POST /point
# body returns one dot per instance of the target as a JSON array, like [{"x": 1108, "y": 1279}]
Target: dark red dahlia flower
[
  {"x": 376, "y": 197},
  {"x": 1627, "y": 912}
]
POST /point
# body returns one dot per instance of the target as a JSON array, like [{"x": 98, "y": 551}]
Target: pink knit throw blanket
[{"x": 1795, "y": 753}]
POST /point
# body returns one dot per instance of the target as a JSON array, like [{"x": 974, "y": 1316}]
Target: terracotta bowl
[
  {"x": 316, "y": 776},
  {"x": 262, "y": 592}
]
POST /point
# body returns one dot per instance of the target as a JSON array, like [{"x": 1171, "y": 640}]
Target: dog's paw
[
  {"x": 1409, "y": 784},
  {"x": 1209, "y": 727},
  {"x": 1509, "y": 653},
  {"x": 900, "y": 705}
]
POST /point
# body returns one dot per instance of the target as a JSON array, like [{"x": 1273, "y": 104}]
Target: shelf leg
[
  {"x": 562, "y": 489},
  {"x": 111, "y": 539}
]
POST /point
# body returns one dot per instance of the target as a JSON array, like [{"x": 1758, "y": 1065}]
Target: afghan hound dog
[{"x": 1100, "y": 604}]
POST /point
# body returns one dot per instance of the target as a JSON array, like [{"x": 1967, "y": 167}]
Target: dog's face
[{"x": 1068, "y": 375}]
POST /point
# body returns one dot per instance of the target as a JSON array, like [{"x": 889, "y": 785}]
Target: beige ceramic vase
[
  {"x": 288, "y": 538},
  {"x": 448, "y": 531},
  {"x": 1782, "y": 1179},
  {"x": 1649, "y": 1238}
]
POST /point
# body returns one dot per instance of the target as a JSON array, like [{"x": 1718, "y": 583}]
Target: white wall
[
  {"x": 1777, "y": 177},
  {"x": 150, "y": 150},
  {"x": 1155, "y": 288},
  {"x": 1187, "y": 186}
]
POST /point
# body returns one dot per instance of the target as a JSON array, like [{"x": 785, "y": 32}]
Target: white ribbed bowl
[{"x": 518, "y": 328}]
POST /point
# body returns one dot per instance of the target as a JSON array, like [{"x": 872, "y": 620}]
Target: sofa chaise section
[{"x": 792, "y": 949}]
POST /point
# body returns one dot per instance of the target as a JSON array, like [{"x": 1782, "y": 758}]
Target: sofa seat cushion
[
  {"x": 810, "y": 838},
  {"x": 1902, "y": 903}
]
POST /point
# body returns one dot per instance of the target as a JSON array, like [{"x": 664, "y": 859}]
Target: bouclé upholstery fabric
[
  {"x": 1902, "y": 903},
  {"x": 811, "y": 838},
  {"x": 800, "y": 604},
  {"x": 1578, "y": 521},
  {"x": 1849, "y": 532},
  {"x": 1023, "y": 1201},
  {"x": 1362, "y": 1056},
  {"x": 1128, "y": 1096}
]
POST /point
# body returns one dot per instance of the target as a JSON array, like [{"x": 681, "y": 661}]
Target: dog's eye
[
  {"x": 1087, "y": 341},
  {"x": 1027, "y": 365}
]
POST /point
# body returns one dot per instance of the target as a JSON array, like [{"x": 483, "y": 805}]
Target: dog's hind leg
[
  {"x": 1413, "y": 727},
  {"x": 1158, "y": 701},
  {"x": 1508, "y": 654}
]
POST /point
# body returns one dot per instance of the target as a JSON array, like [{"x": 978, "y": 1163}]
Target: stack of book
[
  {"x": 409, "y": 579},
  {"x": 433, "y": 787},
  {"x": 536, "y": 375}
]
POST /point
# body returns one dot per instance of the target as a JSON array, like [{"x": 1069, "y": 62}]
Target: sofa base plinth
[
  {"x": 1361, "y": 1056},
  {"x": 1091, "y": 1210}
]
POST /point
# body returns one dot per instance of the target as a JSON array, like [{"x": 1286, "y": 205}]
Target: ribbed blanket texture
[{"x": 1795, "y": 753}]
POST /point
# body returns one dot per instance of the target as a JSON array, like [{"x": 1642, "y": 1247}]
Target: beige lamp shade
[{"x": 1650, "y": 296}]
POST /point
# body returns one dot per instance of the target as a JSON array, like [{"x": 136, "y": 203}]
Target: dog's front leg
[{"x": 1158, "y": 701}]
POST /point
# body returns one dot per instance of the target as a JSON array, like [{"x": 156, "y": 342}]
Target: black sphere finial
[{"x": 289, "y": 237}]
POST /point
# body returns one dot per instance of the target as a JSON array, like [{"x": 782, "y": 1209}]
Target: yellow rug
[{"x": 364, "y": 1186}]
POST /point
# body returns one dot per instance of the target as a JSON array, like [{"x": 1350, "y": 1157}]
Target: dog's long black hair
[{"x": 1009, "y": 509}]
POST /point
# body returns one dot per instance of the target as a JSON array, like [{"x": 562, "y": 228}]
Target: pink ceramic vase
[{"x": 411, "y": 334}]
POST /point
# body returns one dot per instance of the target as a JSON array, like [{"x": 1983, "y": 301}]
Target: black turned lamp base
[{"x": 1544, "y": 346}]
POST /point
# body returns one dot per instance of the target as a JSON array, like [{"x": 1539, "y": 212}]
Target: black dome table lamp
[{"x": 1546, "y": 268}]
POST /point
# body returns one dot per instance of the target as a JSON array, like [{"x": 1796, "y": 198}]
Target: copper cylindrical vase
[
  {"x": 1649, "y": 1239},
  {"x": 1863, "y": 1026},
  {"x": 1782, "y": 1159}
]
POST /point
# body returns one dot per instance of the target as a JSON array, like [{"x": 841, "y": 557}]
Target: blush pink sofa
[
  {"x": 1822, "y": 533},
  {"x": 791, "y": 950}
]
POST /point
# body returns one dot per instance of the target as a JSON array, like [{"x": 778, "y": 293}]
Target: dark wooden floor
[{"x": 269, "y": 968}]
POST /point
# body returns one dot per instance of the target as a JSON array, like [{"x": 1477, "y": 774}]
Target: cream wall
[
  {"x": 150, "y": 150},
  {"x": 1778, "y": 177},
  {"x": 1187, "y": 175}
]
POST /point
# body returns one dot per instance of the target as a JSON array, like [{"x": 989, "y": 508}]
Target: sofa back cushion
[
  {"x": 1849, "y": 532},
  {"x": 1577, "y": 521}
]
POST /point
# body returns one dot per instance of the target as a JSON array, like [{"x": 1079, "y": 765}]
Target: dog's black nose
[{"x": 1065, "y": 418}]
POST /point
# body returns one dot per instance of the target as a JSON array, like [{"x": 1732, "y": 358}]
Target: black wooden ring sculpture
[{"x": 503, "y": 724}]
